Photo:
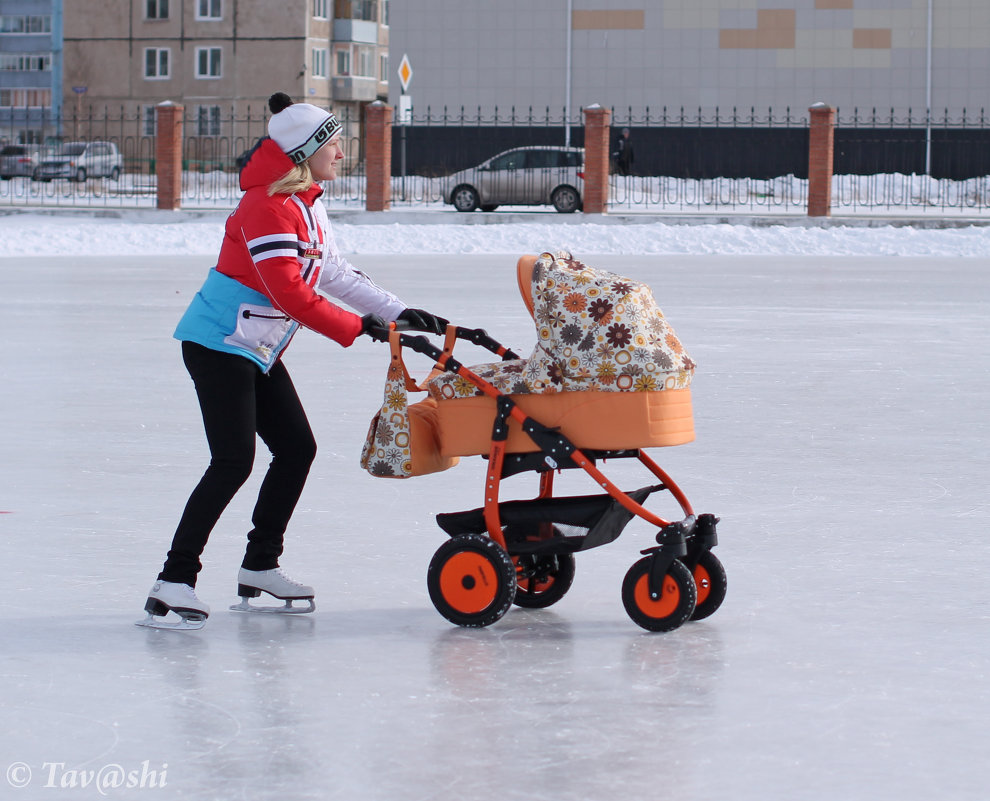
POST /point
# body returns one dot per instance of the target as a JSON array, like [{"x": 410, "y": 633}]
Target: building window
[
  {"x": 25, "y": 24},
  {"x": 365, "y": 62},
  {"x": 356, "y": 9},
  {"x": 25, "y": 98},
  {"x": 208, "y": 121},
  {"x": 209, "y": 9},
  {"x": 321, "y": 62},
  {"x": 156, "y": 9},
  {"x": 208, "y": 61},
  {"x": 383, "y": 68},
  {"x": 157, "y": 61},
  {"x": 356, "y": 60},
  {"x": 343, "y": 60},
  {"x": 320, "y": 9},
  {"x": 26, "y": 62},
  {"x": 385, "y": 14},
  {"x": 149, "y": 121}
]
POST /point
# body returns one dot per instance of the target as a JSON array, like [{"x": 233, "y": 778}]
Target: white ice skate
[
  {"x": 179, "y": 599},
  {"x": 251, "y": 583}
]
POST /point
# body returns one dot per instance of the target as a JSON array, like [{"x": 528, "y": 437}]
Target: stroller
[{"x": 607, "y": 378}]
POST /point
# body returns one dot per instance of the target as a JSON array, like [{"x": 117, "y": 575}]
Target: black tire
[
  {"x": 675, "y": 604},
  {"x": 465, "y": 198},
  {"x": 541, "y": 581},
  {"x": 115, "y": 173},
  {"x": 471, "y": 580},
  {"x": 80, "y": 175},
  {"x": 710, "y": 582},
  {"x": 566, "y": 199}
]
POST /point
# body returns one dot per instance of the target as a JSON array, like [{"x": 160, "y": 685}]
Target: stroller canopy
[{"x": 598, "y": 331}]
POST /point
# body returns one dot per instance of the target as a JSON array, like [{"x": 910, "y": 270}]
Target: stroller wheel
[
  {"x": 710, "y": 582},
  {"x": 471, "y": 580},
  {"x": 671, "y": 609},
  {"x": 541, "y": 581}
]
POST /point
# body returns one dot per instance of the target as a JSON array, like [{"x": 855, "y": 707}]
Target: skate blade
[
  {"x": 288, "y": 609},
  {"x": 191, "y": 623}
]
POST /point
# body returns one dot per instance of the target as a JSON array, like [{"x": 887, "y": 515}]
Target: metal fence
[{"x": 683, "y": 161}]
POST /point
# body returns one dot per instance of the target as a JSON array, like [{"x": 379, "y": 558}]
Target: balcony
[
  {"x": 355, "y": 30},
  {"x": 353, "y": 88}
]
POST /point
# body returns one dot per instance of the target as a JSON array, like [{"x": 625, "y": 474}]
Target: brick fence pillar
[
  {"x": 597, "y": 123},
  {"x": 820, "y": 148},
  {"x": 168, "y": 155},
  {"x": 378, "y": 156}
]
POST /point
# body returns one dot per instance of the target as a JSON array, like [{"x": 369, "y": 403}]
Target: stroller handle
[{"x": 421, "y": 344}]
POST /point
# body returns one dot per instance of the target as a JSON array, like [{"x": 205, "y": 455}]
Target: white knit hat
[{"x": 299, "y": 128}]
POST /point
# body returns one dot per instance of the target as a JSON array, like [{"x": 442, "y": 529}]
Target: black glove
[
  {"x": 374, "y": 326},
  {"x": 420, "y": 320}
]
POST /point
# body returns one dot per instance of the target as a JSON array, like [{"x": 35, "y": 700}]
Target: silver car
[
  {"x": 78, "y": 161},
  {"x": 18, "y": 160},
  {"x": 523, "y": 176}
]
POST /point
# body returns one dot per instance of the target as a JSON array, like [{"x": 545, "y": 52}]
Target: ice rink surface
[{"x": 842, "y": 438}]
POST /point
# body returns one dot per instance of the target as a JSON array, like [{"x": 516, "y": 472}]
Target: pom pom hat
[{"x": 299, "y": 128}]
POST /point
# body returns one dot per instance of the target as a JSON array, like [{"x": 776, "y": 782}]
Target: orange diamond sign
[{"x": 405, "y": 72}]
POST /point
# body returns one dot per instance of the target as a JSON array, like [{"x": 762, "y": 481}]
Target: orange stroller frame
[{"x": 522, "y": 551}]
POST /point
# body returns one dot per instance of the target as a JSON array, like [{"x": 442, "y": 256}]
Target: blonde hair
[{"x": 298, "y": 179}]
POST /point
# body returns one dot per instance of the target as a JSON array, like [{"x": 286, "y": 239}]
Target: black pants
[{"x": 238, "y": 402}]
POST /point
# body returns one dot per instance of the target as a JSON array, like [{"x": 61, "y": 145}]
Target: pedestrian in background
[{"x": 623, "y": 153}]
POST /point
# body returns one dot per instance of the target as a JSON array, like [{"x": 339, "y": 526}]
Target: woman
[{"x": 277, "y": 251}]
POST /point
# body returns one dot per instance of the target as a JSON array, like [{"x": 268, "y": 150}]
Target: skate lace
[
  {"x": 282, "y": 575},
  {"x": 190, "y": 591}
]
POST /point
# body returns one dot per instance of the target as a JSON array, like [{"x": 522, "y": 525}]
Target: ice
[{"x": 840, "y": 408}]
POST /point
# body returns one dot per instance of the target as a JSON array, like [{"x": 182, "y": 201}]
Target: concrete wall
[{"x": 634, "y": 54}]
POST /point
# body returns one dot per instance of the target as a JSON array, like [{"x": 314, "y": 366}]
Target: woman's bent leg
[
  {"x": 225, "y": 385},
  {"x": 282, "y": 424}
]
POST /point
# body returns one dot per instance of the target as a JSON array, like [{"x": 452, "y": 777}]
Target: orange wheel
[
  {"x": 711, "y": 583},
  {"x": 471, "y": 580},
  {"x": 542, "y": 580},
  {"x": 468, "y": 582},
  {"x": 665, "y": 612}
]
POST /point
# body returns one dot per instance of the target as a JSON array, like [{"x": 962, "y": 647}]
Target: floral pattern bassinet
[{"x": 597, "y": 331}]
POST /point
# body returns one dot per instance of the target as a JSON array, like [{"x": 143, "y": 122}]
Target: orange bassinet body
[
  {"x": 608, "y": 371},
  {"x": 590, "y": 420}
]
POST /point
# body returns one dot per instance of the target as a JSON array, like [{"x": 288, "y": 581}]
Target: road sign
[
  {"x": 80, "y": 90},
  {"x": 405, "y": 110},
  {"x": 405, "y": 72}
]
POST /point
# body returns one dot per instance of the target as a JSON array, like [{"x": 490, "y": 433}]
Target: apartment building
[
  {"x": 30, "y": 69},
  {"x": 222, "y": 59}
]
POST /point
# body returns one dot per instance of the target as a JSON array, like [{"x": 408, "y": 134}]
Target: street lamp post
[
  {"x": 928, "y": 95},
  {"x": 567, "y": 74}
]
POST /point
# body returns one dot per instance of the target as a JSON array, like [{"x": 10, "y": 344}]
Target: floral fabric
[
  {"x": 596, "y": 331},
  {"x": 387, "y": 449}
]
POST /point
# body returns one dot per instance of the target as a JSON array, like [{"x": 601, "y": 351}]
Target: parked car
[
  {"x": 523, "y": 176},
  {"x": 78, "y": 161},
  {"x": 18, "y": 160}
]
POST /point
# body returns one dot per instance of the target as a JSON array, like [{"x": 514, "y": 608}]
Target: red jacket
[
  {"x": 281, "y": 246},
  {"x": 276, "y": 253}
]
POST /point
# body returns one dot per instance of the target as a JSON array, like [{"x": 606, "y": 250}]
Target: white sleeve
[{"x": 343, "y": 281}]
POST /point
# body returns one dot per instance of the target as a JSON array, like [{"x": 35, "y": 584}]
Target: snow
[
  {"x": 130, "y": 233},
  {"x": 840, "y": 408}
]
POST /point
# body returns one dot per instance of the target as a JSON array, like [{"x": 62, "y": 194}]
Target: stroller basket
[{"x": 552, "y": 525}]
